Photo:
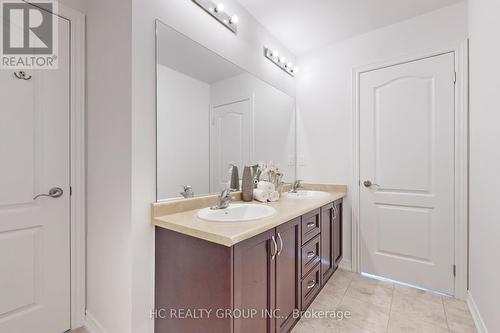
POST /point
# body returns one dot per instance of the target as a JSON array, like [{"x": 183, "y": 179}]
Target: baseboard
[
  {"x": 480, "y": 326},
  {"x": 92, "y": 325},
  {"x": 345, "y": 265}
]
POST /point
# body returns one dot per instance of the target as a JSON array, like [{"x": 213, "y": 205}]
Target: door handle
[
  {"x": 368, "y": 183},
  {"x": 334, "y": 212},
  {"x": 55, "y": 192},
  {"x": 274, "y": 248},
  {"x": 281, "y": 244}
]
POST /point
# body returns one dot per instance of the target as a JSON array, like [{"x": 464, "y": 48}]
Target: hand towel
[
  {"x": 274, "y": 196},
  {"x": 266, "y": 186},
  {"x": 261, "y": 195}
]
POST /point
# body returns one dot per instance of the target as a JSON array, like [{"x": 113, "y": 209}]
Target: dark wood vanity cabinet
[
  {"x": 288, "y": 268},
  {"x": 258, "y": 285},
  {"x": 331, "y": 239},
  {"x": 254, "y": 282},
  {"x": 267, "y": 279},
  {"x": 337, "y": 233}
]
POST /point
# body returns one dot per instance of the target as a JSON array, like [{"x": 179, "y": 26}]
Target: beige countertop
[{"x": 231, "y": 233}]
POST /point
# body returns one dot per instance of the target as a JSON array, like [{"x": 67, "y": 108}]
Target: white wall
[
  {"x": 484, "y": 273},
  {"x": 183, "y": 133},
  {"x": 245, "y": 49},
  {"x": 80, "y": 5},
  {"x": 324, "y": 92},
  {"x": 109, "y": 116}
]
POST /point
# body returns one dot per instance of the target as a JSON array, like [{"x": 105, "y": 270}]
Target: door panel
[
  {"x": 327, "y": 256},
  {"x": 338, "y": 229},
  {"x": 288, "y": 266},
  {"x": 407, "y": 152},
  {"x": 254, "y": 283},
  {"x": 34, "y": 234}
]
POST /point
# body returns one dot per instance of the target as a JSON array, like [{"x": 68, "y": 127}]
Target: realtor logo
[{"x": 29, "y": 35}]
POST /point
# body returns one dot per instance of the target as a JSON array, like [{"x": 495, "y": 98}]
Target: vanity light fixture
[
  {"x": 281, "y": 62},
  {"x": 217, "y": 10}
]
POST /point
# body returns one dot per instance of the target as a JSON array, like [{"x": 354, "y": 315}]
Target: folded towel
[
  {"x": 261, "y": 195},
  {"x": 266, "y": 186},
  {"x": 274, "y": 196}
]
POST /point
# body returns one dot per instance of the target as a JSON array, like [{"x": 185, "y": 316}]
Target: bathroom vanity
[
  {"x": 252, "y": 276},
  {"x": 248, "y": 267}
]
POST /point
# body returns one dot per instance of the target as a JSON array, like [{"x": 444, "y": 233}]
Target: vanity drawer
[
  {"x": 311, "y": 254},
  {"x": 310, "y": 225},
  {"x": 310, "y": 287}
]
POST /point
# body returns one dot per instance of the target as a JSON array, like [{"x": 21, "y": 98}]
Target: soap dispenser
[
  {"x": 247, "y": 184},
  {"x": 234, "y": 183}
]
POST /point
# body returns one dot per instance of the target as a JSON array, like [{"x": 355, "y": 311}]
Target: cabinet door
[
  {"x": 254, "y": 283},
  {"x": 288, "y": 267},
  {"x": 337, "y": 233},
  {"x": 327, "y": 243}
]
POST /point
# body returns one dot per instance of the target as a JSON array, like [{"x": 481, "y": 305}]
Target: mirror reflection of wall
[{"x": 211, "y": 114}]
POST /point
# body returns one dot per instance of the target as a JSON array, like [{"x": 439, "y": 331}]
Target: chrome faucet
[
  {"x": 296, "y": 185},
  {"x": 224, "y": 200},
  {"x": 188, "y": 192}
]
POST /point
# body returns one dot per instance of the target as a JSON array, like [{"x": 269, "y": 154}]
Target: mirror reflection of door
[{"x": 231, "y": 140}]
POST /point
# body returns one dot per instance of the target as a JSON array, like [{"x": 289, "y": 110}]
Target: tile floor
[{"x": 377, "y": 306}]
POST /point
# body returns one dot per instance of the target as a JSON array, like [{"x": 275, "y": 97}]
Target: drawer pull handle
[
  {"x": 311, "y": 254},
  {"x": 311, "y": 284},
  {"x": 311, "y": 224}
]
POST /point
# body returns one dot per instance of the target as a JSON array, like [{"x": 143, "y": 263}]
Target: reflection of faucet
[
  {"x": 188, "y": 192},
  {"x": 224, "y": 200},
  {"x": 296, "y": 185}
]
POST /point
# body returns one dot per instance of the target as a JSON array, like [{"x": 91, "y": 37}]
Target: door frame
[
  {"x": 76, "y": 20},
  {"x": 461, "y": 125}
]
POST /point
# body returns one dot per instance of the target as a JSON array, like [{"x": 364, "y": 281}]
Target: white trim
[
  {"x": 461, "y": 159},
  {"x": 77, "y": 128},
  {"x": 478, "y": 320},
  {"x": 92, "y": 325},
  {"x": 346, "y": 265},
  {"x": 461, "y": 171}
]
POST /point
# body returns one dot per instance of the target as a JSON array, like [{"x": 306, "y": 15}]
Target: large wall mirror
[{"x": 212, "y": 114}]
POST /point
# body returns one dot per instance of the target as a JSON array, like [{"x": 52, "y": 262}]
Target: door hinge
[
  {"x": 455, "y": 77},
  {"x": 454, "y": 270},
  {"x": 71, "y": 190}
]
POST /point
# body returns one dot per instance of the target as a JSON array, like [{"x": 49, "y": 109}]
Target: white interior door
[
  {"x": 34, "y": 234},
  {"x": 231, "y": 140},
  {"x": 407, "y": 152}
]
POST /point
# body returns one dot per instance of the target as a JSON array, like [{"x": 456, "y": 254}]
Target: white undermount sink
[
  {"x": 306, "y": 194},
  {"x": 237, "y": 213}
]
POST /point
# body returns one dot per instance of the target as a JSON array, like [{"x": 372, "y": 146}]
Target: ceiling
[{"x": 302, "y": 25}]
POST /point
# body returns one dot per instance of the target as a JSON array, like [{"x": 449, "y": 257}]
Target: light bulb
[
  {"x": 220, "y": 8},
  {"x": 276, "y": 54},
  {"x": 289, "y": 65},
  {"x": 282, "y": 60},
  {"x": 295, "y": 70},
  {"x": 210, "y": 9},
  {"x": 234, "y": 19},
  {"x": 225, "y": 21}
]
